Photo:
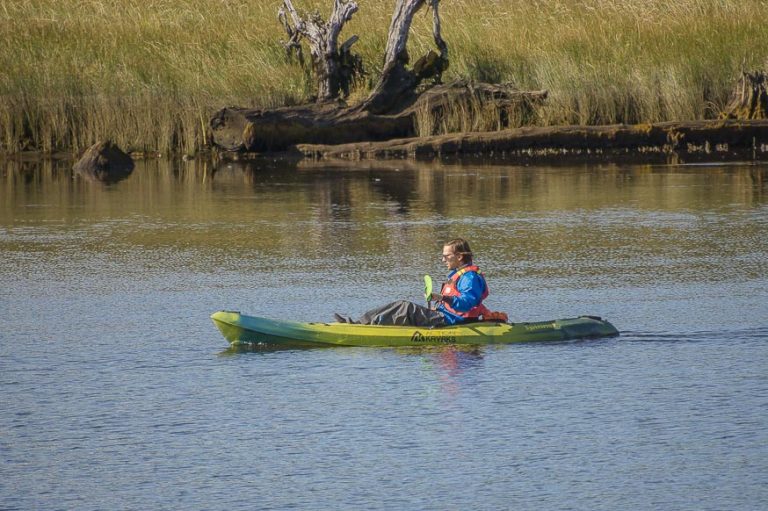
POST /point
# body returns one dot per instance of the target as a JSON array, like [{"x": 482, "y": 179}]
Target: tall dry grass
[{"x": 148, "y": 73}]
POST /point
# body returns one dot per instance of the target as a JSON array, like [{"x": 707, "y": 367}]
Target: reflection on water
[
  {"x": 336, "y": 190},
  {"x": 453, "y": 362},
  {"x": 622, "y": 222},
  {"x": 116, "y": 393},
  {"x": 448, "y": 364}
]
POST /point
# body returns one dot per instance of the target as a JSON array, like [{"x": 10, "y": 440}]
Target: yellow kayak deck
[{"x": 242, "y": 329}]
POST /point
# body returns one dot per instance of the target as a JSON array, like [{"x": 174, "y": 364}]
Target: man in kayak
[{"x": 460, "y": 300}]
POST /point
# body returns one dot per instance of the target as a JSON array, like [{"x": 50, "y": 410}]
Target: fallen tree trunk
[
  {"x": 702, "y": 137},
  {"x": 238, "y": 129}
]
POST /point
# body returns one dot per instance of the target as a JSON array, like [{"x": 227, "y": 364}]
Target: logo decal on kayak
[
  {"x": 546, "y": 325},
  {"x": 442, "y": 338}
]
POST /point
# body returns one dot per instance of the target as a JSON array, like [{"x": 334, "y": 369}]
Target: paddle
[{"x": 428, "y": 289}]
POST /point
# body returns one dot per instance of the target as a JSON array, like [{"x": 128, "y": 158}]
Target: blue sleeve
[{"x": 471, "y": 286}]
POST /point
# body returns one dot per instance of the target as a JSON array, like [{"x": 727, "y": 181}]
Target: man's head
[{"x": 457, "y": 253}]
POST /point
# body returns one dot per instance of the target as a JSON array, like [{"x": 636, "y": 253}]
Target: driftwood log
[
  {"x": 398, "y": 105},
  {"x": 716, "y": 137}
]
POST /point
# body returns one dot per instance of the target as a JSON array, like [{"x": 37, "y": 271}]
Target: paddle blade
[{"x": 427, "y": 288}]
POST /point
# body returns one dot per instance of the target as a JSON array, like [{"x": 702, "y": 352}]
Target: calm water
[{"x": 116, "y": 391}]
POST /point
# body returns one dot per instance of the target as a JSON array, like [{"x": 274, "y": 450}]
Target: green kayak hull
[{"x": 240, "y": 329}]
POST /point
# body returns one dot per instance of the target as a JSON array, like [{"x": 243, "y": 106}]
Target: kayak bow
[{"x": 242, "y": 329}]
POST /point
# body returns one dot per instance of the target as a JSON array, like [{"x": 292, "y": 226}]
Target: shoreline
[{"x": 663, "y": 143}]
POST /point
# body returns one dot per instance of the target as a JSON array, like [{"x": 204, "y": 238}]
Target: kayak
[{"x": 240, "y": 329}]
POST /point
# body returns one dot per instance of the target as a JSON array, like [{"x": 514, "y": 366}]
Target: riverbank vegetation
[{"x": 148, "y": 74}]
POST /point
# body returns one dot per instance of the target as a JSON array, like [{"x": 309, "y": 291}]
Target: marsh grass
[
  {"x": 466, "y": 114},
  {"x": 149, "y": 73}
]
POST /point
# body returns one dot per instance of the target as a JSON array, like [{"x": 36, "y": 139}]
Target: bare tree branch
[
  {"x": 396, "y": 86},
  {"x": 323, "y": 39},
  {"x": 436, "y": 31},
  {"x": 294, "y": 36}
]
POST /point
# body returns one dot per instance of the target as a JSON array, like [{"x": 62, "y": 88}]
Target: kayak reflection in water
[{"x": 460, "y": 300}]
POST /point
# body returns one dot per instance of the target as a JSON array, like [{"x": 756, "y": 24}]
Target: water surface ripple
[{"x": 116, "y": 391}]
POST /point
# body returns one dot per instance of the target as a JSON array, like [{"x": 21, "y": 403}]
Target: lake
[{"x": 117, "y": 391}]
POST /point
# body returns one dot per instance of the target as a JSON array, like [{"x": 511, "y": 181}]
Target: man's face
[{"x": 450, "y": 258}]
